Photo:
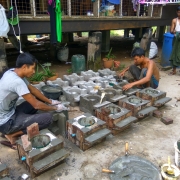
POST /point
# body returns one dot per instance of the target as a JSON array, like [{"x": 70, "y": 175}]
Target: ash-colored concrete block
[
  {"x": 157, "y": 114},
  {"x": 166, "y": 120},
  {"x": 26, "y": 143},
  {"x": 32, "y": 130}
]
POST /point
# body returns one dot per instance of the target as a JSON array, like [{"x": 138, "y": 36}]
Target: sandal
[{"x": 8, "y": 144}]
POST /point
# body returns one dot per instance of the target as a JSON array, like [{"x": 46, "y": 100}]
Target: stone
[
  {"x": 157, "y": 114},
  {"x": 32, "y": 130},
  {"x": 26, "y": 143},
  {"x": 166, "y": 120}
]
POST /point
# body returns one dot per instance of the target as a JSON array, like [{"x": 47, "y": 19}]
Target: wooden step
[
  {"x": 50, "y": 161},
  {"x": 126, "y": 121},
  {"x": 97, "y": 135}
]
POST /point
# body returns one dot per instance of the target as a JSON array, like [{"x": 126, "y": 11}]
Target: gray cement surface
[{"x": 149, "y": 138}]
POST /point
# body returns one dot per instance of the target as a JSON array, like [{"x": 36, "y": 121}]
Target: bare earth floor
[{"x": 149, "y": 138}]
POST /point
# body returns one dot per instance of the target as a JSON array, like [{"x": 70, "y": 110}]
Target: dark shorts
[{"x": 24, "y": 116}]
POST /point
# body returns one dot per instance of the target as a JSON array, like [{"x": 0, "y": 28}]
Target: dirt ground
[{"x": 149, "y": 138}]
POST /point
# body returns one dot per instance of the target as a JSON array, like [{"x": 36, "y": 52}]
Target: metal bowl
[{"x": 51, "y": 91}]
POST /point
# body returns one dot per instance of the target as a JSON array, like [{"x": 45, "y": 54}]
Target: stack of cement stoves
[{"x": 115, "y": 113}]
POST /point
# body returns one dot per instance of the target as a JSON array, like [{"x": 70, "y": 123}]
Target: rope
[{"x": 20, "y": 47}]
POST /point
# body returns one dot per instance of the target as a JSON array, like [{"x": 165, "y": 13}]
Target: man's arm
[
  {"x": 38, "y": 94},
  {"x": 123, "y": 71},
  {"x": 38, "y": 104},
  {"x": 144, "y": 80},
  {"x": 173, "y": 24}
]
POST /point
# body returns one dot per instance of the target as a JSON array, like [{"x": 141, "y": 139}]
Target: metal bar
[
  {"x": 120, "y": 8},
  {"x": 69, "y": 7},
  {"x": 33, "y": 8}
]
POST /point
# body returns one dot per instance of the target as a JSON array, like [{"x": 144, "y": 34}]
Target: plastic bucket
[
  {"x": 78, "y": 63},
  {"x": 63, "y": 54},
  {"x": 166, "y": 49},
  {"x": 177, "y": 155}
]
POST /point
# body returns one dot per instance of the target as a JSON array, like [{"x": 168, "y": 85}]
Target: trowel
[{"x": 102, "y": 96}]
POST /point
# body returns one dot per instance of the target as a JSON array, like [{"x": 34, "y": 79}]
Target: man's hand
[
  {"x": 127, "y": 86},
  {"x": 122, "y": 74},
  {"x": 55, "y": 102},
  {"x": 61, "y": 107}
]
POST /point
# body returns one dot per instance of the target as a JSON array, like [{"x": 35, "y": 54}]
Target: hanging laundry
[
  {"x": 135, "y": 4},
  {"x": 51, "y": 10},
  {"x": 58, "y": 21},
  {"x": 12, "y": 16},
  {"x": 3, "y": 23}
]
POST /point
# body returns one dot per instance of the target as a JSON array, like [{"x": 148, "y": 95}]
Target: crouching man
[
  {"x": 15, "y": 119},
  {"x": 144, "y": 71}
]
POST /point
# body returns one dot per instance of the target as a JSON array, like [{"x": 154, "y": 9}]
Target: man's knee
[
  {"x": 47, "y": 118},
  {"x": 132, "y": 67}
]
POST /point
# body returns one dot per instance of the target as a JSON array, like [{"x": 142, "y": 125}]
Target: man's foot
[{"x": 172, "y": 73}]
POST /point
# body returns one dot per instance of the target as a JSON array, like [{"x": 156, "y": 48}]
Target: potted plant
[
  {"x": 48, "y": 73},
  {"x": 109, "y": 59},
  {"x": 37, "y": 77}
]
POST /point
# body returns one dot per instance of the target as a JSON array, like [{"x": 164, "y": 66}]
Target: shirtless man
[
  {"x": 175, "y": 28},
  {"x": 147, "y": 74}
]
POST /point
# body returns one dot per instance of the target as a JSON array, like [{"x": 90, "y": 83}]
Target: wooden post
[
  {"x": 120, "y": 8},
  {"x": 33, "y": 8},
  {"x": 105, "y": 41},
  {"x": 96, "y": 8},
  {"x": 69, "y": 7},
  {"x": 3, "y": 61},
  {"x": 138, "y": 10},
  {"x": 94, "y": 51}
]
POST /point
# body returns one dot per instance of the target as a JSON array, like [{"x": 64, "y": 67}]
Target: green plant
[
  {"x": 121, "y": 67},
  {"x": 110, "y": 55},
  {"x": 47, "y": 72},
  {"x": 69, "y": 71},
  {"x": 37, "y": 76}
]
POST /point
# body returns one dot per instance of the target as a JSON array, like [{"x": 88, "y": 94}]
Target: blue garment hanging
[
  {"x": 114, "y": 1},
  {"x": 105, "y": 2}
]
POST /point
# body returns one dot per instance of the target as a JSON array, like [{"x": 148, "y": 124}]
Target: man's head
[
  {"x": 178, "y": 11},
  {"x": 26, "y": 63},
  {"x": 138, "y": 55}
]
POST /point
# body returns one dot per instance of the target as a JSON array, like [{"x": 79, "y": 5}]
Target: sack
[
  {"x": 153, "y": 50},
  {"x": 4, "y": 25}
]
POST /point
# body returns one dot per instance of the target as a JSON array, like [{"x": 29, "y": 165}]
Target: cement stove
[
  {"x": 73, "y": 95},
  {"x": 129, "y": 92},
  {"x": 157, "y": 98},
  {"x": 86, "y": 130},
  {"x": 137, "y": 105},
  {"x": 42, "y": 159},
  {"x": 112, "y": 95},
  {"x": 89, "y": 103},
  {"x": 117, "y": 118},
  {"x": 4, "y": 172}
]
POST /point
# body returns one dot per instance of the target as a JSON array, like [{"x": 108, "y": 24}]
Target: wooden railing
[{"x": 89, "y": 9}]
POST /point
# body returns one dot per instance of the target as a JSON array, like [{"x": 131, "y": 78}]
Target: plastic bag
[
  {"x": 4, "y": 25},
  {"x": 153, "y": 50}
]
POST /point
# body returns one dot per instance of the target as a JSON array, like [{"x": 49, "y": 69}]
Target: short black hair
[
  {"x": 138, "y": 52},
  {"x": 25, "y": 58},
  {"x": 178, "y": 8}
]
